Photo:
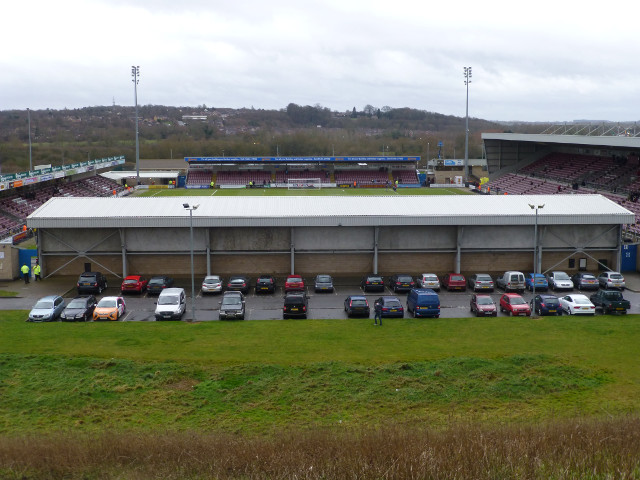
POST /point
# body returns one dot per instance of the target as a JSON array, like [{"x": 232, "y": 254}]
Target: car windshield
[
  {"x": 323, "y": 278},
  {"x": 517, "y": 301},
  {"x": 106, "y": 303},
  {"x": 550, "y": 301},
  {"x": 156, "y": 281},
  {"x": 265, "y": 279},
  {"x": 483, "y": 278},
  {"x": 392, "y": 303},
  {"x": 168, "y": 300},
  {"x": 77, "y": 304},
  {"x": 562, "y": 276},
  {"x": 616, "y": 276},
  {"x": 358, "y": 303},
  {"x": 44, "y": 304},
  {"x": 212, "y": 280},
  {"x": 588, "y": 277},
  {"x": 613, "y": 296},
  {"x": 130, "y": 281},
  {"x": 237, "y": 280},
  {"x": 88, "y": 278},
  {"x": 231, "y": 300},
  {"x": 293, "y": 301},
  {"x": 581, "y": 301},
  {"x": 431, "y": 278},
  {"x": 484, "y": 301},
  {"x": 457, "y": 278},
  {"x": 404, "y": 278}
]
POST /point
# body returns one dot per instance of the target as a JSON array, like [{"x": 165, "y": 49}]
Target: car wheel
[
  {"x": 539, "y": 311},
  {"x": 559, "y": 313}
]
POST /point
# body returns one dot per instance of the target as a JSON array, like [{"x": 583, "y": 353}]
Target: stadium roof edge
[
  {"x": 587, "y": 140},
  {"x": 314, "y": 159},
  {"x": 259, "y": 211}
]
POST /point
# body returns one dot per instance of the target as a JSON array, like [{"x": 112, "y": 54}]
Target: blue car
[
  {"x": 541, "y": 282},
  {"x": 546, "y": 305}
]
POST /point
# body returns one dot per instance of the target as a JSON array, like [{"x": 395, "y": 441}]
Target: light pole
[
  {"x": 191, "y": 208},
  {"x": 29, "y": 122},
  {"x": 135, "y": 73},
  {"x": 535, "y": 256},
  {"x": 467, "y": 81}
]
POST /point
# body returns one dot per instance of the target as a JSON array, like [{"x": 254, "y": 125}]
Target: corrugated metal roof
[
  {"x": 72, "y": 212},
  {"x": 592, "y": 141}
]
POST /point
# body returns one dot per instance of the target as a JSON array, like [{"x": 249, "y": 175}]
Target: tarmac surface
[{"x": 258, "y": 307}]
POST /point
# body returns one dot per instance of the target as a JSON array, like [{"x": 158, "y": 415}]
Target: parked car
[
  {"x": 541, "y": 284},
  {"x": 559, "y": 281},
  {"x": 511, "y": 281},
  {"x": 454, "y": 281},
  {"x": 91, "y": 282},
  {"x": 133, "y": 283},
  {"x": 585, "y": 281},
  {"x": 577, "y": 304},
  {"x": 357, "y": 305},
  {"x": 294, "y": 283},
  {"x": 47, "y": 309},
  {"x": 610, "y": 301},
  {"x": 372, "y": 283},
  {"x": 428, "y": 280},
  {"x": 232, "y": 306},
  {"x": 423, "y": 302},
  {"x": 481, "y": 282},
  {"x": 157, "y": 284},
  {"x": 238, "y": 283},
  {"x": 611, "y": 280},
  {"x": 401, "y": 282},
  {"x": 483, "y": 305},
  {"x": 265, "y": 284},
  {"x": 390, "y": 307},
  {"x": 324, "y": 283},
  {"x": 546, "y": 305},
  {"x": 295, "y": 305},
  {"x": 110, "y": 308},
  {"x": 79, "y": 309},
  {"x": 212, "y": 284},
  {"x": 171, "y": 305},
  {"x": 514, "y": 304}
]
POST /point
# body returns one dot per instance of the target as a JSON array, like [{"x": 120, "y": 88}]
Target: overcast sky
[{"x": 558, "y": 60}]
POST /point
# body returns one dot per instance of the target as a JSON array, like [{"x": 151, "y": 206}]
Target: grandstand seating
[
  {"x": 409, "y": 177},
  {"x": 362, "y": 177},
  {"x": 282, "y": 177},
  {"x": 242, "y": 177},
  {"x": 199, "y": 177}
]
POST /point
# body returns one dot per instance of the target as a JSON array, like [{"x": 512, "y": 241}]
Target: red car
[
  {"x": 294, "y": 283},
  {"x": 514, "y": 304},
  {"x": 454, "y": 281},
  {"x": 483, "y": 305},
  {"x": 134, "y": 283}
]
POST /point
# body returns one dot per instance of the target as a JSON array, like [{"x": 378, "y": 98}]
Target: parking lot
[{"x": 140, "y": 308}]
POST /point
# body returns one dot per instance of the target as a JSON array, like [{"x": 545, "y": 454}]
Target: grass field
[{"x": 180, "y": 192}]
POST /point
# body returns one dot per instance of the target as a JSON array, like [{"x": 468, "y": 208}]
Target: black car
[
  {"x": 390, "y": 307},
  {"x": 585, "y": 281},
  {"x": 401, "y": 282},
  {"x": 295, "y": 305},
  {"x": 232, "y": 306},
  {"x": 158, "y": 283},
  {"x": 546, "y": 305},
  {"x": 372, "y": 283},
  {"x": 265, "y": 284},
  {"x": 238, "y": 283},
  {"x": 80, "y": 309},
  {"x": 91, "y": 282},
  {"x": 357, "y": 305}
]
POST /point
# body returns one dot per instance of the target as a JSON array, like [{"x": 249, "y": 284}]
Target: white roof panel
[{"x": 97, "y": 212}]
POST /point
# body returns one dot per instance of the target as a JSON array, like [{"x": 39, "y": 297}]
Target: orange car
[{"x": 109, "y": 308}]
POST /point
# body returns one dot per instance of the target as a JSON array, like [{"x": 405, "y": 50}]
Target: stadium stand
[
  {"x": 199, "y": 177},
  {"x": 362, "y": 177},
  {"x": 242, "y": 177}
]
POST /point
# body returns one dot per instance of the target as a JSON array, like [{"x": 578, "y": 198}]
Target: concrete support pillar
[
  {"x": 293, "y": 251},
  {"x": 458, "y": 249},
  {"x": 207, "y": 240},
  {"x": 43, "y": 270},
  {"x": 376, "y": 233},
  {"x": 619, "y": 250},
  {"x": 123, "y": 245}
]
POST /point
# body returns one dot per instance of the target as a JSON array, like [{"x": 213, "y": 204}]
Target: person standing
[
  {"x": 36, "y": 272},
  {"x": 377, "y": 308},
  {"x": 25, "y": 273}
]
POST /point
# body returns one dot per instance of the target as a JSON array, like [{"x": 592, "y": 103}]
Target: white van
[{"x": 171, "y": 305}]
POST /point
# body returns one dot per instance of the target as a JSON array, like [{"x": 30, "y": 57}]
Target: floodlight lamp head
[
  {"x": 195, "y": 207},
  {"x": 532, "y": 206},
  {"x": 185, "y": 205}
]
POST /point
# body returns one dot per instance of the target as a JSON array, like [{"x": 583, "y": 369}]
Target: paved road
[{"x": 258, "y": 307}]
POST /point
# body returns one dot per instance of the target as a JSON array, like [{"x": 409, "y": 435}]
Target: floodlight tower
[
  {"x": 467, "y": 81},
  {"x": 135, "y": 73}
]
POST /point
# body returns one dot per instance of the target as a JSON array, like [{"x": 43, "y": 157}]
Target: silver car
[
  {"x": 324, "y": 283},
  {"x": 47, "y": 309},
  {"x": 611, "y": 280},
  {"x": 428, "y": 280},
  {"x": 212, "y": 284}
]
